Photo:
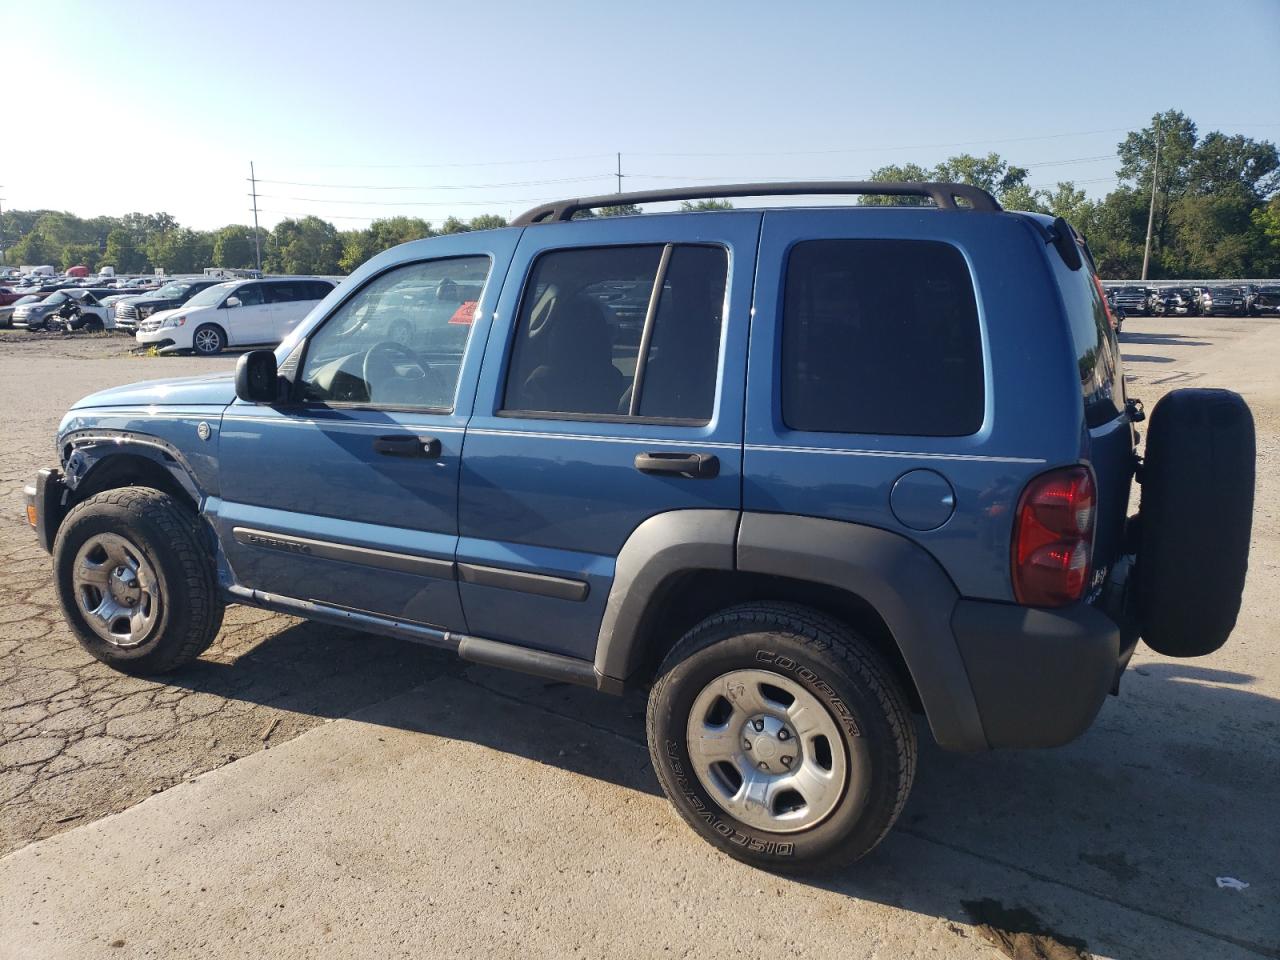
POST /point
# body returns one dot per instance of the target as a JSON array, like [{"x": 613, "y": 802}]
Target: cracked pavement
[{"x": 79, "y": 741}]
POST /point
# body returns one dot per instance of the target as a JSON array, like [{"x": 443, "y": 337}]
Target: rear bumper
[
  {"x": 45, "y": 505},
  {"x": 1039, "y": 677}
]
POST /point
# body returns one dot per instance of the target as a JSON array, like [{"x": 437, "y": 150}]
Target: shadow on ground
[
  {"x": 1173, "y": 786},
  {"x": 1162, "y": 339}
]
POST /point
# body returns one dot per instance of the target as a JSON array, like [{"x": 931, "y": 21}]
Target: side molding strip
[
  {"x": 474, "y": 649},
  {"x": 365, "y": 556},
  {"x": 539, "y": 584}
]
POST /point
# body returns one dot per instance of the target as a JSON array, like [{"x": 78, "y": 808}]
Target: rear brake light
[{"x": 1053, "y": 538}]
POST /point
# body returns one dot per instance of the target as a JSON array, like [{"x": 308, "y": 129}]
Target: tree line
[
  {"x": 1216, "y": 214},
  {"x": 1216, "y": 208}
]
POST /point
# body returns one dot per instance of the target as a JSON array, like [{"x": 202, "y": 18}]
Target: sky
[{"x": 354, "y": 111}]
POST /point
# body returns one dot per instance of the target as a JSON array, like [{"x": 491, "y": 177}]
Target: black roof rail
[{"x": 944, "y": 195}]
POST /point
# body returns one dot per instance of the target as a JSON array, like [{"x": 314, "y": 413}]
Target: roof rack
[{"x": 944, "y": 195}]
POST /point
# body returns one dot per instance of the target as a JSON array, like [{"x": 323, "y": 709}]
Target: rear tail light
[{"x": 1053, "y": 538}]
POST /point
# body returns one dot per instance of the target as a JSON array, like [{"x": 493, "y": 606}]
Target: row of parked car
[
  {"x": 200, "y": 314},
  {"x": 1243, "y": 300}
]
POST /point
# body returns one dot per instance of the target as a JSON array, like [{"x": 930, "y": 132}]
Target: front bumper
[
  {"x": 46, "y": 505},
  {"x": 1039, "y": 677}
]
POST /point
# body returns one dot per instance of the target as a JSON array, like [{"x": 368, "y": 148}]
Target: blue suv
[{"x": 801, "y": 471}]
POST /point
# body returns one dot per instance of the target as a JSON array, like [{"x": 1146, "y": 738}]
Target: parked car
[
  {"x": 131, "y": 310},
  {"x": 83, "y": 311},
  {"x": 1223, "y": 301},
  {"x": 1267, "y": 300},
  {"x": 845, "y": 483},
  {"x": 6, "y": 312},
  {"x": 1134, "y": 301},
  {"x": 1173, "y": 301},
  {"x": 70, "y": 309},
  {"x": 9, "y": 296},
  {"x": 234, "y": 313}
]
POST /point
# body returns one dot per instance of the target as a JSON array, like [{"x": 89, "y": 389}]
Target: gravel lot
[{"x": 1111, "y": 844}]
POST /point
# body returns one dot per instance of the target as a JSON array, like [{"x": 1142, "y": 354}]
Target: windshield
[
  {"x": 59, "y": 297},
  {"x": 29, "y": 298},
  {"x": 210, "y": 296},
  {"x": 172, "y": 291}
]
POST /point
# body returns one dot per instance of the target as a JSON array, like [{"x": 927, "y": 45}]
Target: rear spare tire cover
[{"x": 1195, "y": 520}]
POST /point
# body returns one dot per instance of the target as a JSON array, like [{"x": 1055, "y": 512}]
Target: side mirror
[
  {"x": 231, "y": 302},
  {"x": 257, "y": 378}
]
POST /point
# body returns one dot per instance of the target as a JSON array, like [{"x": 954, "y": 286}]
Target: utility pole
[
  {"x": 1151, "y": 212},
  {"x": 619, "y": 172},
  {"x": 257, "y": 245}
]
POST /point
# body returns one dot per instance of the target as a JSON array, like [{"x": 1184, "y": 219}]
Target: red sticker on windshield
[{"x": 465, "y": 314}]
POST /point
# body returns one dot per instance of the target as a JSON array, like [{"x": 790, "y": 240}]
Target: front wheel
[
  {"x": 135, "y": 585},
  {"x": 208, "y": 340},
  {"x": 781, "y": 737}
]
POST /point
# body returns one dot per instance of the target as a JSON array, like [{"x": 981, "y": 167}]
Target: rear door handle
[
  {"x": 407, "y": 445},
  {"x": 700, "y": 466}
]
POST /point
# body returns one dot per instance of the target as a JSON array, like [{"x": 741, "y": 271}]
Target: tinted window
[
  {"x": 882, "y": 337},
  {"x": 399, "y": 341},
  {"x": 581, "y": 325},
  {"x": 250, "y": 295},
  {"x": 286, "y": 292},
  {"x": 1097, "y": 353},
  {"x": 316, "y": 290}
]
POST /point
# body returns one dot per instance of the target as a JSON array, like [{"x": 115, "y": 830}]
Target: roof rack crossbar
[{"x": 944, "y": 195}]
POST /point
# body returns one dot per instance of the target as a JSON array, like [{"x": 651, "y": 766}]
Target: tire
[
  {"x": 173, "y": 589},
  {"x": 94, "y": 325},
  {"x": 208, "y": 340},
  {"x": 862, "y": 716},
  {"x": 1195, "y": 520}
]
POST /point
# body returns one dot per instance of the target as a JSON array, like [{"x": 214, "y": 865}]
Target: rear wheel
[
  {"x": 781, "y": 737},
  {"x": 208, "y": 340}
]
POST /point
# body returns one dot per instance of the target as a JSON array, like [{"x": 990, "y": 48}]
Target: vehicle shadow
[
  {"x": 1175, "y": 784},
  {"x": 1162, "y": 339}
]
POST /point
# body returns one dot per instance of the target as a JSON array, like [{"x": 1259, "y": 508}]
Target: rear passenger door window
[
  {"x": 624, "y": 332},
  {"x": 881, "y": 337}
]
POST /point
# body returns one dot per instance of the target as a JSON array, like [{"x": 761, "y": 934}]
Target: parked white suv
[{"x": 238, "y": 313}]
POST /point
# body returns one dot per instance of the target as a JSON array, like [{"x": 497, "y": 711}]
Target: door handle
[
  {"x": 407, "y": 445},
  {"x": 700, "y": 466}
]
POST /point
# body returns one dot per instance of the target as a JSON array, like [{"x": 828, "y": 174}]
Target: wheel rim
[
  {"x": 767, "y": 751},
  {"x": 116, "y": 590},
  {"x": 207, "y": 341}
]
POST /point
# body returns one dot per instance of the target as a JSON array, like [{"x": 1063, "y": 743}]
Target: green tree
[
  {"x": 453, "y": 225},
  {"x": 181, "y": 250},
  {"x": 309, "y": 245},
  {"x": 488, "y": 221},
  {"x": 233, "y": 247},
  {"x": 619, "y": 210},
  {"x": 699, "y": 205},
  {"x": 79, "y": 254},
  {"x": 122, "y": 253},
  {"x": 35, "y": 250}
]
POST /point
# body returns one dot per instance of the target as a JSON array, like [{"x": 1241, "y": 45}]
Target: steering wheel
[{"x": 379, "y": 366}]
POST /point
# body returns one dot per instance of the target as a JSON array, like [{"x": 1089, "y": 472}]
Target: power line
[
  {"x": 439, "y": 166},
  {"x": 407, "y": 203},
  {"x": 438, "y": 186}
]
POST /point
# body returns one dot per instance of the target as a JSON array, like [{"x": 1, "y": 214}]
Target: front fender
[{"x": 90, "y": 451}]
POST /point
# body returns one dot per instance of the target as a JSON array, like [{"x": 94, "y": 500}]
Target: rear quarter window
[
  {"x": 1097, "y": 352},
  {"x": 881, "y": 337}
]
